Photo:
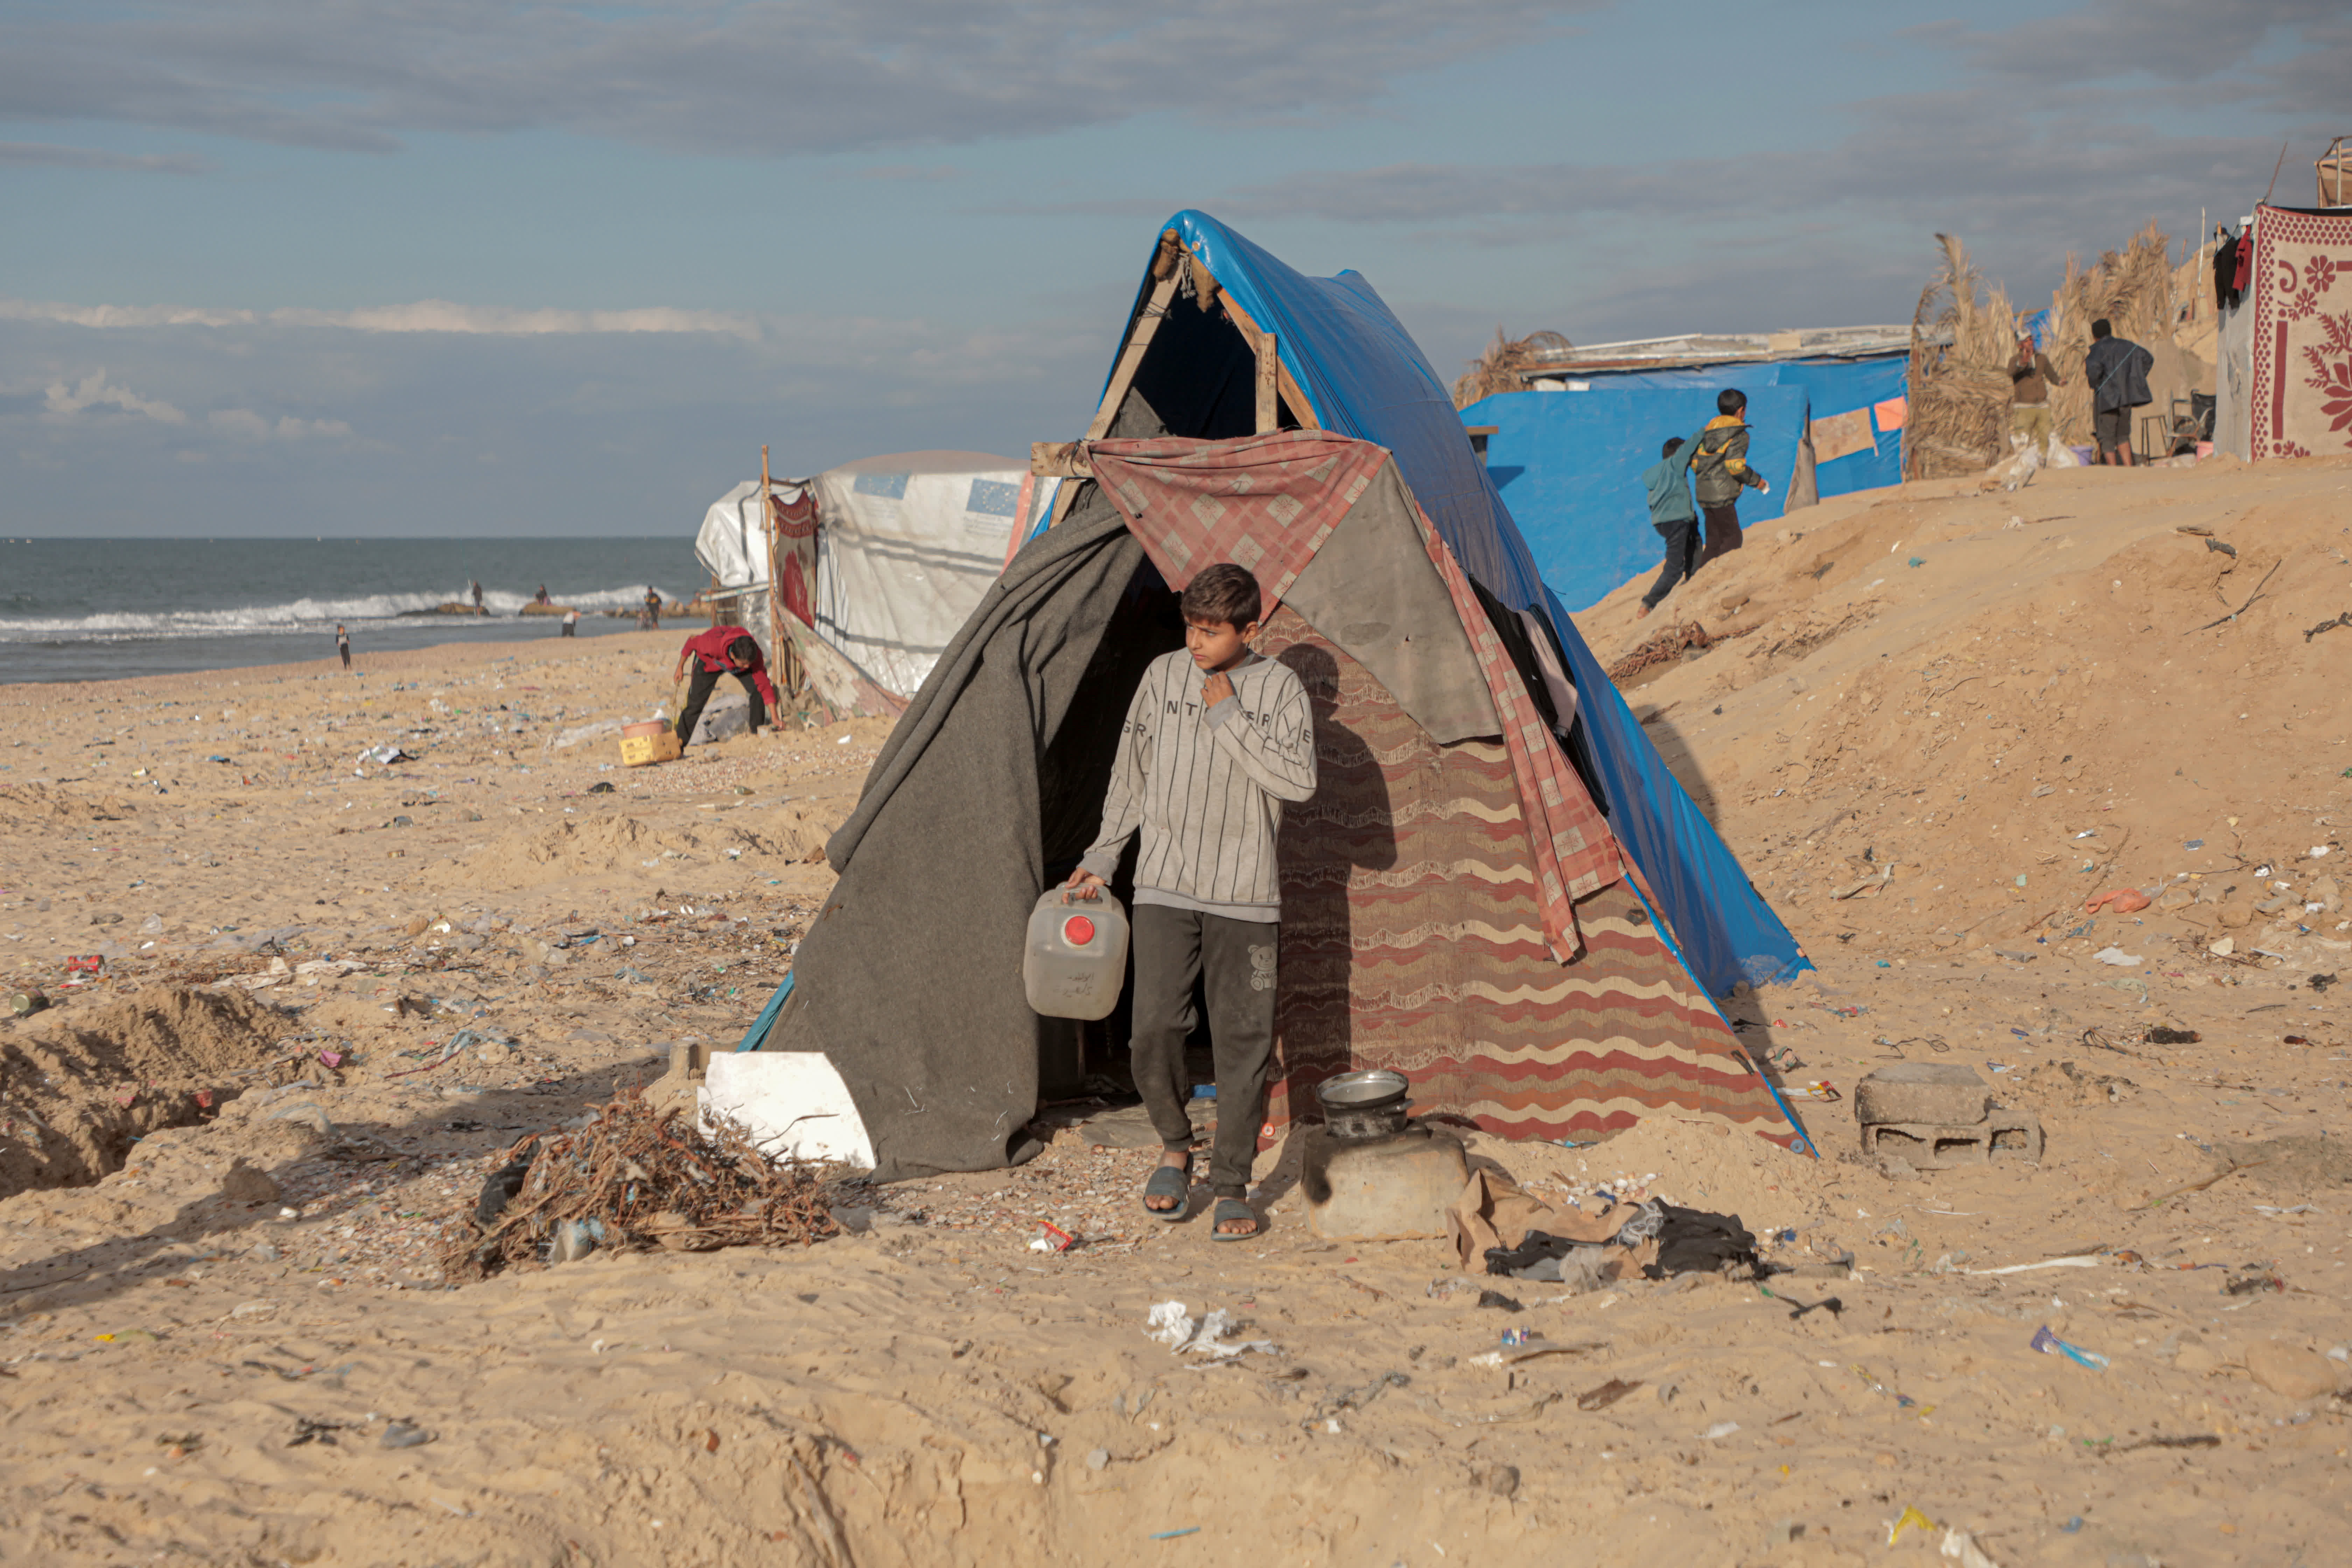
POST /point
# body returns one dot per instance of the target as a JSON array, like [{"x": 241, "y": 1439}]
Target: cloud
[
  {"x": 246, "y": 424},
  {"x": 908, "y": 173},
  {"x": 97, "y": 393},
  {"x": 94, "y": 391},
  {"x": 2179, "y": 42},
  {"x": 424, "y": 316},
  {"x": 2075, "y": 183},
  {"x": 44, "y": 154},
  {"x": 734, "y": 75}
]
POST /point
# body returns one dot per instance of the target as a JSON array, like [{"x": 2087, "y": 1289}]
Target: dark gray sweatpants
[{"x": 1236, "y": 958}]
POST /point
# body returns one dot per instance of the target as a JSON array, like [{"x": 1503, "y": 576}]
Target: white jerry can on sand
[{"x": 1075, "y": 963}]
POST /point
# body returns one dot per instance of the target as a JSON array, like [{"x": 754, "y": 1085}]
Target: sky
[{"x": 465, "y": 267}]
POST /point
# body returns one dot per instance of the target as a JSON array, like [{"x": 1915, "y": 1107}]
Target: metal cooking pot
[{"x": 1368, "y": 1104}]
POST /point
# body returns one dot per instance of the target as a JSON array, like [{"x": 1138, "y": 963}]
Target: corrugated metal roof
[{"x": 1724, "y": 348}]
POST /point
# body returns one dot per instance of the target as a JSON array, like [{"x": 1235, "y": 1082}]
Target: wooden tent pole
[
  {"x": 1300, "y": 409},
  {"x": 1269, "y": 395}
]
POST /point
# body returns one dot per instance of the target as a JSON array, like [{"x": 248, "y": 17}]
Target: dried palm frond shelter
[
  {"x": 1961, "y": 345},
  {"x": 1505, "y": 364},
  {"x": 1497, "y": 889},
  {"x": 1967, "y": 335}
]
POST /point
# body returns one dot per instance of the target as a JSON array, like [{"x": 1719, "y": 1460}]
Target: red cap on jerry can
[{"x": 1078, "y": 930}]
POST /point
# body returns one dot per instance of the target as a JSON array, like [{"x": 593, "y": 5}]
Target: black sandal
[
  {"x": 1169, "y": 1181},
  {"x": 1229, "y": 1209}
]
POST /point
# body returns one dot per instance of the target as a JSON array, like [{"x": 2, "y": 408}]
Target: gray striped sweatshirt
[{"x": 1206, "y": 788}]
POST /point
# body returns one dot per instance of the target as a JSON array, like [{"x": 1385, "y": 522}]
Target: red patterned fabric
[
  {"x": 1575, "y": 853},
  {"x": 792, "y": 510},
  {"x": 1264, "y": 502},
  {"x": 2302, "y": 393},
  {"x": 1412, "y": 939}
]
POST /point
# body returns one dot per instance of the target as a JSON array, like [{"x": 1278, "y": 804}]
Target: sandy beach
[{"x": 1933, "y": 722}]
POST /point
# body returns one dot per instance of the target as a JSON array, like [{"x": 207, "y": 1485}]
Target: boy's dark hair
[
  {"x": 742, "y": 650},
  {"x": 2102, "y": 328},
  {"x": 1731, "y": 400},
  {"x": 1673, "y": 444},
  {"x": 1224, "y": 592}
]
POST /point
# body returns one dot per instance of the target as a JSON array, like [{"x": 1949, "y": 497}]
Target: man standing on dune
[{"x": 2117, "y": 370}]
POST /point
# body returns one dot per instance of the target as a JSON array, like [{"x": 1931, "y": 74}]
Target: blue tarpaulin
[
  {"x": 1570, "y": 463},
  {"x": 1365, "y": 377}
]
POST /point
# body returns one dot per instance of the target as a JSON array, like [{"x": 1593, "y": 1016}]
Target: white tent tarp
[
  {"x": 733, "y": 543},
  {"x": 906, "y": 546}
]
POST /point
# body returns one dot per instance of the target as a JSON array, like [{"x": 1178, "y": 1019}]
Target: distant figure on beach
[
  {"x": 542, "y": 598},
  {"x": 477, "y": 596},
  {"x": 2031, "y": 376},
  {"x": 1668, "y": 483},
  {"x": 1721, "y": 466},
  {"x": 2117, "y": 369},
  {"x": 570, "y": 621},
  {"x": 344, "y": 644},
  {"x": 650, "y": 620},
  {"x": 722, "y": 650}
]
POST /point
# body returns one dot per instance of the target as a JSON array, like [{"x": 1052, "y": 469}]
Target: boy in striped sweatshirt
[{"x": 1215, "y": 741}]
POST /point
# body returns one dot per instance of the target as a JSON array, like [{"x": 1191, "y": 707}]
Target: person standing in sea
[{"x": 344, "y": 644}]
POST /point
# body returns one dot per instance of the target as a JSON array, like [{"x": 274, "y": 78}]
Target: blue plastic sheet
[{"x": 1360, "y": 370}]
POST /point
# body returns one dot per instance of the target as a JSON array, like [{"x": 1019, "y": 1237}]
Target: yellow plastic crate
[{"x": 649, "y": 742}]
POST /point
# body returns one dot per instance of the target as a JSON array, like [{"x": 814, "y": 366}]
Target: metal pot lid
[{"x": 1352, "y": 1091}]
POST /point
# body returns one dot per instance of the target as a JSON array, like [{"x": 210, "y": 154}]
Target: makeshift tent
[
  {"x": 2284, "y": 384},
  {"x": 1568, "y": 458},
  {"x": 906, "y": 545},
  {"x": 878, "y": 562},
  {"x": 1457, "y": 905}
]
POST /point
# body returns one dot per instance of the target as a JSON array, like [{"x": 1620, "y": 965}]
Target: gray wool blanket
[{"x": 909, "y": 981}]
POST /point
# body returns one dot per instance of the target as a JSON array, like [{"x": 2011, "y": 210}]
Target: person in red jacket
[{"x": 720, "y": 651}]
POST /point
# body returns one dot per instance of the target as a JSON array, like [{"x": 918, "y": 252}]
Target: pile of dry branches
[
  {"x": 1664, "y": 648},
  {"x": 1503, "y": 366},
  {"x": 636, "y": 1177}
]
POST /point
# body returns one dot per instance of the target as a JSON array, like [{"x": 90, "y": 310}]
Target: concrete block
[
  {"x": 1947, "y": 1094},
  {"x": 1382, "y": 1189},
  {"x": 1927, "y": 1146}
]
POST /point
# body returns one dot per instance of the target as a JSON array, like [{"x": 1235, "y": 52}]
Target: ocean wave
[{"x": 306, "y": 614}]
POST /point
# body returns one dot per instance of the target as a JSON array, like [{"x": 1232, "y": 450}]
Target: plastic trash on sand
[
  {"x": 2117, "y": 955},
  {"x": 1909, "y": 1519},
  {"x": 1174, "y": 1326},
  {"x": 1960, "y": 1547},
  {"x": 2049, "y": 1344},
  {"x": 792, "y": 1103}
]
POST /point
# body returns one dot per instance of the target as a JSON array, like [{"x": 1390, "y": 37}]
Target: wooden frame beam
[
  {"x": 1263, "y": 345},
  {"x": 1273, "y": 387}
]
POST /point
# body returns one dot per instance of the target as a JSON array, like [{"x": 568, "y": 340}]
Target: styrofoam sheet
[{"x": 792, "y": 1103}]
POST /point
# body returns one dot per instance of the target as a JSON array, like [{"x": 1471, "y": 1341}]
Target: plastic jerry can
[{"x": 1075, "y": 965}]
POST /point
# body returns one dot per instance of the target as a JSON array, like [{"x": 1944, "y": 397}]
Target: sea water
[{"x": 105, "y": 608}]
